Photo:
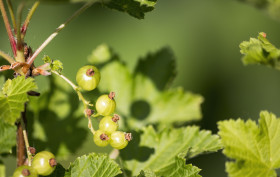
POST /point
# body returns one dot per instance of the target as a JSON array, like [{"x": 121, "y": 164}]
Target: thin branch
[
  {"x": 28, "y": 18},
  {"x": 19, "y": 15},
  {"x": 81, "y": 97},
  {"x": 12, "y": 14},
  {"x": 8, "y": 27},
  {"x": 53, "y": 35},
  {"x": 7, "y": 57},
  {"x": 25, "y": 137}
]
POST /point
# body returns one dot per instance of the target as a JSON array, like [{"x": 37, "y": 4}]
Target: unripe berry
[
  {"x": 109, "y": 123},
  {"x": 25, "y": 171},
  {"x": 105, "y": 104},
  {"x": 119, "y": 140},
  {"x": 88, "y": 77},
  {"x": 44, "y": 163},
  {"x": 101, "y": 138}
]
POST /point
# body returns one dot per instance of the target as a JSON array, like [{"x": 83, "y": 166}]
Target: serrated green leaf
[
  {"x": 158, "y": 150},
  {"x": 147, "y": 173},
  {"x": 179, "y": 168},
  {"x": 144, "y": 99},
  {"x": 13, "y": 98},
  {"x": 47, "y": 59},
  {"x": 160, "y": 67},
  {"x": 255, "y": 148},
  {"x": 100, "y": 54},
  {"x": 55, "y": 65},
  {"x": 260, "y": 51},
  {"x": 135, "y": 8},
  {"x": 7, "y": 137},
  {"x": 94, "y": 165}
]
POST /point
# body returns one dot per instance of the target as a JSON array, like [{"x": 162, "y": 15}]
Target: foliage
[
  {"x": 145, "y": 95},
  {"x": 135, "y": 8},
  {"x": 255, "y": 148},
  {"x": 260, "y": 51},
  {"x": 13, "y": 97},
  {"x": 167, "y": 150}
]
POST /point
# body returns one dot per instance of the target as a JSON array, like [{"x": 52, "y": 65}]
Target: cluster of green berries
[
  {"x": 88, "y": 78},
  {"x": 108, "y": 134},
  {"x": 43, "y": 164}
]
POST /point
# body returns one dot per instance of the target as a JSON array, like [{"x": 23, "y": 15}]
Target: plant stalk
[
  {"x": 81, "y": 97},
  {"x": 28, "y": 18},
  {"x": 12, "y": 14},
  {"x": 7, "y": 57},
  {"x": 53, "y": 35},
  {"x": 20, "y": 140},
  {"x": 8, "y": 28}
]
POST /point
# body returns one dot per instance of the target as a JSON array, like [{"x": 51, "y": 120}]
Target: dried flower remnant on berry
[{"x": 116, "y": 118}]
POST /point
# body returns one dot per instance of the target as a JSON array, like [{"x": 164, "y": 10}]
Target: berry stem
[
  {"x": 20, "y": 55},
  {"x": 114, "y": 154},
  {"x": 81, "y": 98},
  {"x": 12, "y": 14},
  {"x": 28, "y": 18},
  {"x": 53, "y": 35},
  {"x": 8, "y": 27},
  {"x": 7, "y": 57},
  {"x": 27, "y": 147}
]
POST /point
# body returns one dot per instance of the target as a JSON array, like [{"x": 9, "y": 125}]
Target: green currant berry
[
  {"x": 44, "y": 163},
  {"x": 100, "y": 138},
  {"x": 88, "y": 77},
  {"x": 25, "y": 171},
  {"x": 105, "y": 104},
  {"x": 109, "y": 124},
  {"x": 119, "y": 140}
]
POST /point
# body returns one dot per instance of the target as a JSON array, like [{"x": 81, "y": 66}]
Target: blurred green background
[{"x": 204, "y": 36}]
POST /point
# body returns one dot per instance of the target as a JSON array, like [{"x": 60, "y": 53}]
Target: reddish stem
[
  {"x": 20, "y": 141},
  {"x": 20, "y": 146},
  {"x": 8, "y": 28}
]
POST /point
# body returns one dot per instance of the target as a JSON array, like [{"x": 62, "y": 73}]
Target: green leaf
[
  {"x": 55, "y": 65},
  {"x": 260, "y": 51},
  {"x": 100, "y": 54},
  {"x": 254, "y": 148},
  {"x": 94, "y": 165},
  {"x": 135, "y": 8},
  {"x": 13, "y": 97},
  {"x": 147, "y": 173},
  {"x": 7, "y": 137},
  {"x": 144, "y": 99},
  {"x": 180, "y": 168},
  {"x": 158, "y": 151}
]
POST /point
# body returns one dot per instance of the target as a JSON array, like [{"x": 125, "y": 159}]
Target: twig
[
  {"x": 25, "y": 137},
  {"x": 19, "y": 14},
  {"x": 114, "y": 154},
  {"x": 12, "y": 14},
  {"x": 53, "y": 35},
  {"x": 28, "y": 18},
  {"x": 81, "y": 97},
  {"x": 7, "y": 57},
  {"x": 8, "y": 28}
]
